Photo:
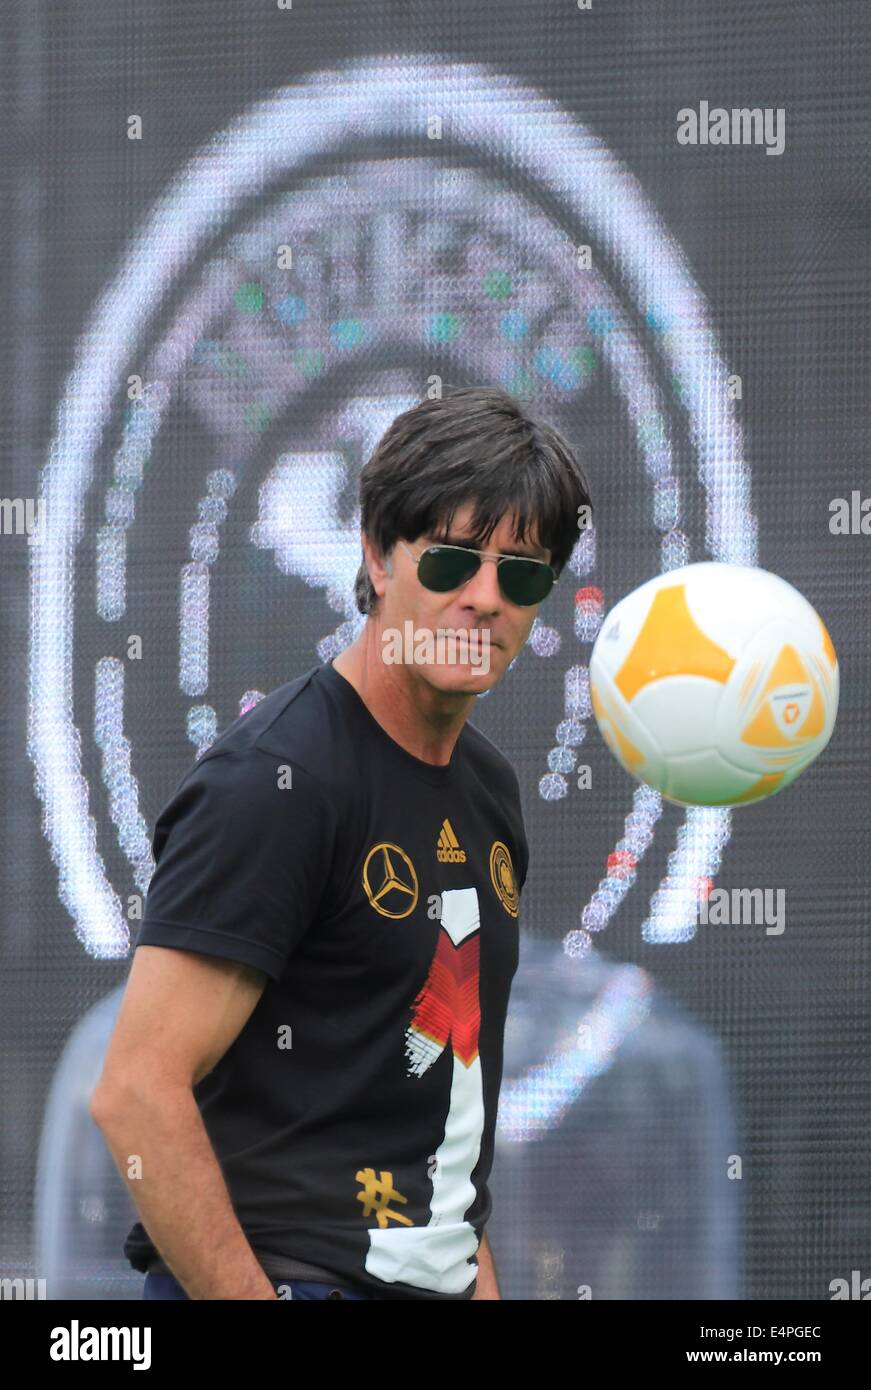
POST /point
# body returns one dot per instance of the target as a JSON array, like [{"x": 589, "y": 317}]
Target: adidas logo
[{"x": 448, "y": 850}]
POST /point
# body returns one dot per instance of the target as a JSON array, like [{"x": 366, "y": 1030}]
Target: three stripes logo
[{"x": 448, "y": 847}]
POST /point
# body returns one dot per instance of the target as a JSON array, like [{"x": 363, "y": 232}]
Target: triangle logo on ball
[{"x": 789, "y": 706}]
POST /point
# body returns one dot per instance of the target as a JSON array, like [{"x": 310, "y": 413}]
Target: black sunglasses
[{"x": 445, "y": 567}]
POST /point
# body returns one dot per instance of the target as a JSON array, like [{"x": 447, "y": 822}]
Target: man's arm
[
  {"x": 180, "y": 1012},
  {"x": 486, "y": 1286}
]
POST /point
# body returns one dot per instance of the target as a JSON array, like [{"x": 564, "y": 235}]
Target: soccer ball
[{"x": 716, "y": 684}]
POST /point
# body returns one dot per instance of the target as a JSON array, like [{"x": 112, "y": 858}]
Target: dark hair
[{"x": 474, "y": 444}]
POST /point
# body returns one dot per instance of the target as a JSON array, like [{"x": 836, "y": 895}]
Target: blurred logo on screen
[{"x": 320, "y": 265}]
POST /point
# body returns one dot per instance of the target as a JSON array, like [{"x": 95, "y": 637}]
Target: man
[{"x": 301, "y": 1093}]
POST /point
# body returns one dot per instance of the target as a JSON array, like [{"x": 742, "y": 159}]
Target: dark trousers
[{"x": 166, "y": 1286}]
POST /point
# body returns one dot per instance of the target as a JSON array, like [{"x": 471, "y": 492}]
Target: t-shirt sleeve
[
  {"x": 523, "y": 843},
  {"x": 241, "y": 862}
]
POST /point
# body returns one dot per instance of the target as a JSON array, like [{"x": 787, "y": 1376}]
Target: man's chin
[{"x": 463, "y": 678}]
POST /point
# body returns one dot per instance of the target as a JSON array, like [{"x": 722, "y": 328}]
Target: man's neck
[{"x": 423, "y": 721}]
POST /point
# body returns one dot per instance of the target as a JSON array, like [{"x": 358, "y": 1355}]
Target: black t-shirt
[{"x": 354, "y": 1115}]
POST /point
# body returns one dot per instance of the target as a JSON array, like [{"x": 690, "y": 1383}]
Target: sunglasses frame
[{"x": 482, "y": 556}]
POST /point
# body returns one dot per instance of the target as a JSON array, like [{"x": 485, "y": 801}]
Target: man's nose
[{"x": 483, "y": 588}]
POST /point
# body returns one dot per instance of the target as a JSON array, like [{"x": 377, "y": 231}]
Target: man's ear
[{"x": 380, "y": 566}]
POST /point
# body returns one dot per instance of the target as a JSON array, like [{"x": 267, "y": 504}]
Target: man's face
[{"x": 477, "y": 606}]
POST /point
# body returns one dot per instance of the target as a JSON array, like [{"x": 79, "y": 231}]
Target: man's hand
[{"x": 486, "y": 1286}]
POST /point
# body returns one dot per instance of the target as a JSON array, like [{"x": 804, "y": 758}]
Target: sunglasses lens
[
  {"x": 525, "y": 582},
  {"x": 442, "y": 569}
]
